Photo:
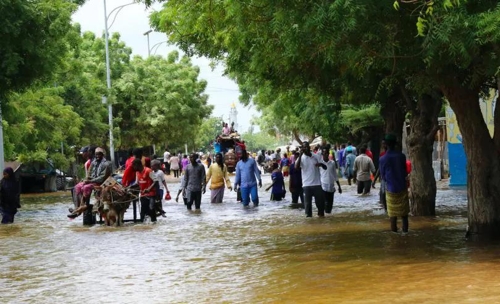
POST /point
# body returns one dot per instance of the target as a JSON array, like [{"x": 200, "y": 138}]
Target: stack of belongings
[{"x": 114, "y": 195}]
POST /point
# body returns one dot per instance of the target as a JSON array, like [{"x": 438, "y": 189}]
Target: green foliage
[
  {"x": 160, "y": 101},
  {"x": 32, "y": 40},
  {"x": 295, "y": 111},
  {"x": 83, "y": 81},
  {"x": 37, "y": 122},
  {"x": 156, "y": 101},
  {"x": 207, "y": 132},
  {"x": 61, "y": 161},
  {"x": 425, "y": 10},
  {"x": 262, "y": 141},
  {"x": 356, "y": 120},
  {"x": 298, "y": 63}
]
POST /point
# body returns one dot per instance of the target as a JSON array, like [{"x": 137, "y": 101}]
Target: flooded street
[{"x": 227, "y": 254}]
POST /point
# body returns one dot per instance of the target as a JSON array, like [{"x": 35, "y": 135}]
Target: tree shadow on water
[{"x": 429, "y": 239}]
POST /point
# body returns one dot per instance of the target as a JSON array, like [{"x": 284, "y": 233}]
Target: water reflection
[{"x": 227, "y": 254}]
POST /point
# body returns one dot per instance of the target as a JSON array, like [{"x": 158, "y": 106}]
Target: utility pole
[{"x": 108, "y": 78}]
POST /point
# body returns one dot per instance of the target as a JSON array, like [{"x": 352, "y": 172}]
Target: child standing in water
[
  {"x": 278, "y": 186},
  {"x": 9, "y": 190},
  {"x": 161, "y": 186}
]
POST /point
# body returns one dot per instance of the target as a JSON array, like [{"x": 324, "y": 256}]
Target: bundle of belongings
[{"x": 114, "y": 201}]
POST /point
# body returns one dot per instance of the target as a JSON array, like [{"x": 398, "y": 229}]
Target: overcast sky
[{"x": 132, "y": 22}]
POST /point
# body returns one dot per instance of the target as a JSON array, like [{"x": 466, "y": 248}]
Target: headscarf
[
  {"x": 10, "y": 189},
  {"x": 10, "y": 172}
]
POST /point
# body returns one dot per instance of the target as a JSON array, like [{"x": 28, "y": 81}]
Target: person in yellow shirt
[{"x": 218, "y": 173}]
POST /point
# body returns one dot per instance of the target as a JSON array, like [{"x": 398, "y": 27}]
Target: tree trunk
[
  {"x": 393, "y": 111},
  {"x": 420, "y": 141},
  {"x": 296, "y": 135},
  {"x": 483, "y": 165}
]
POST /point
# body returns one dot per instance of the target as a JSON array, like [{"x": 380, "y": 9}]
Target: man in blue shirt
[
  {"x": 247, "y": 175},
  {"x": 341, "y": 159},
  {"x": 352, "y": 148},
  {"x": 393, "y": 171},
  {"x": 217, "y": 147}
]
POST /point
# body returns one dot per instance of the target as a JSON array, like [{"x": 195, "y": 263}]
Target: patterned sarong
[
  {"x": 285, "y": 170},
  {"x": 216, "y": 195},
  {"x": 397, "y": 203}
]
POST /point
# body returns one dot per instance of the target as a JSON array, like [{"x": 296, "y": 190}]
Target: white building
[{"x": 233, "y": 117}]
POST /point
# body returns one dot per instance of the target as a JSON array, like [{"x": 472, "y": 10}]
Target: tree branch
[{"x": 297, "y": 136}]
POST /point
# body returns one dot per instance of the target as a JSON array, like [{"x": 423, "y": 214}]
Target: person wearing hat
[
  {"x": 393, "y": 171},
  {"x": 100, "y": 169}
]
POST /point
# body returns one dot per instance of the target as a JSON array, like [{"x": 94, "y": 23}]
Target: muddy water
[{"x": 227, "y": 254}]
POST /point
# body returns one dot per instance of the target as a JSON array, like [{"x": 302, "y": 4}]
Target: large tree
[
  {"x": 462, "y": 53},
  {"x": 37, "y": 123},
  {"x": 32, "y": 40},
  {"x": 332, "y": 46},
  {"x": 304, "y": 60},
  {"x": 83, "y": 79},
  {"x": 160, "y": 101}
]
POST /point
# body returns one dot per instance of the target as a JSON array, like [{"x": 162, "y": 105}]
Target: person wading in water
[
  {"x": 218, "y": 173},
  {"x": 194, "y": 182},
  {"x": 328, "y": 180},
  {"x": 393, "y": 172},
  {"x": 10, "y": 201},
  {"x": 309, "y": 163},
  {"x": 247, "y": 174}
]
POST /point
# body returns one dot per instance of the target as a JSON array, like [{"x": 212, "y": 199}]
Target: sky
[{"x": 132, "y": 22}]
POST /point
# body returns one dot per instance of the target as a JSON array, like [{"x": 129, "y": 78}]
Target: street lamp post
[
  {"x": 149, "y": 54},
  {"x": 155, "y": 45},
  {"x": 147, "y": 34},
  {"x": 108, "y": 76}
]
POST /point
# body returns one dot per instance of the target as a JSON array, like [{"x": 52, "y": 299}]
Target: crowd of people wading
[{"x": 312, "y": 172}]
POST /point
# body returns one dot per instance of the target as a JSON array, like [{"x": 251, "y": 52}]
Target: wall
[{"x": 456, "y": 153}]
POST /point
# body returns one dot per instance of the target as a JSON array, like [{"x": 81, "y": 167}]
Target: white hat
[{"x": 100, "y": 150}]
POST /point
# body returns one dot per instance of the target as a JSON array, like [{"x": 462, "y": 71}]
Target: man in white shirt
[
  {"x": 166, "y": 161},
  {"x": 363, "y": 165},
  {"x": 328, "y": 180},
  {"x": 309, "y": 163}
]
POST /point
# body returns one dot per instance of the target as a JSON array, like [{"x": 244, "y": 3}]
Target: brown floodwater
[{"x": 227, "y": 254}]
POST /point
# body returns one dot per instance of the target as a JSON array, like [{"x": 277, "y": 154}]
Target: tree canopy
[
  {"x": 33, "y": 40},
  {"x": 156, "y": 101},
  {"x": 160, "y": 101},
  {"x": 365, "y": 51}
]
